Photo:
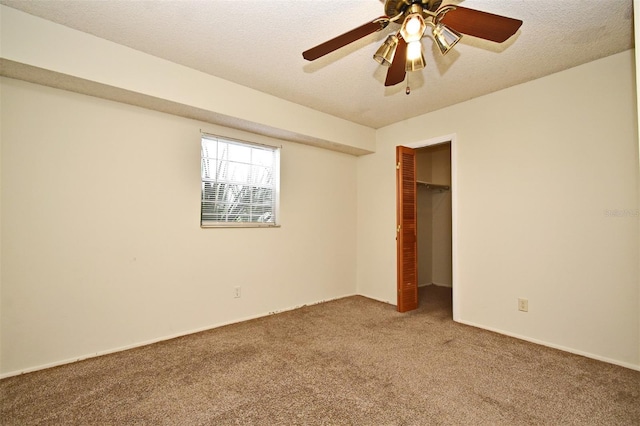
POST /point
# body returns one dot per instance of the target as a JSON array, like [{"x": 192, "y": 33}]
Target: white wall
[
  {"x": 540, "y": 167},
  {"x": 636, "y": 20},
  {"x": 118, "y": 278},
  {"x": 101, "y": 243},
  {"x": 1, "y": 345}
]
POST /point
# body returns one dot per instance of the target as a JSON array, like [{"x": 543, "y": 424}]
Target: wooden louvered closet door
[{"x": 406, "y": 204}]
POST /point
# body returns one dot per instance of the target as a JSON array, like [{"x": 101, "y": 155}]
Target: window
[{"x": 240, "y": 183}]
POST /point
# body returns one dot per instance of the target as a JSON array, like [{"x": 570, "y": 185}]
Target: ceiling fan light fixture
[
  {"x": 386, "y": 52},
  {"x": 445, "y": 37},
  {"x": 402, "y": 51},
  {"x": 413, "y": 26},
  {"x": 415, "y": 59}
]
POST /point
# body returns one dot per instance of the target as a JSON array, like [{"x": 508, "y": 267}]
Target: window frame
[{"x": 276, "y": 150}]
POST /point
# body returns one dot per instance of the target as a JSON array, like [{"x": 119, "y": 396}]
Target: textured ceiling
[{"x": 259, "y": 44}]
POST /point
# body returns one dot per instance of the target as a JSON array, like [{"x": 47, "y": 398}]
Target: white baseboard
[
  {"x": 554, "y": 346},
  {"x": 378, "y": 300},
  {"x": 160, "y": 339},
  {"x": 198, "y": 330}
]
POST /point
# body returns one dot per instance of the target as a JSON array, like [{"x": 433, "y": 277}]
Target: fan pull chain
[{"x": 408, "y": 89}]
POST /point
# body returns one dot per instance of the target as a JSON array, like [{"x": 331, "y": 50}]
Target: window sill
[{"x": 239, "y": 225}]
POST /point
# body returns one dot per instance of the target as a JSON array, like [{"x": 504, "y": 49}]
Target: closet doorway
[
  {"x": 425, "y": 213},
  {"x": 433, "y": 200}
]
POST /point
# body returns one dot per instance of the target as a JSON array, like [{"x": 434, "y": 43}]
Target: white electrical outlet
[
  {"x": 523, "y": 305},
  {"x": 236, "y": 292}
]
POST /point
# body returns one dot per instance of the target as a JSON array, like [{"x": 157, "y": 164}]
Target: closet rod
[{"x": 434, "y": 186}]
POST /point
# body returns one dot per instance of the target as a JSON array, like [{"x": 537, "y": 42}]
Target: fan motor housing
[{"x": 395, "y": 7}]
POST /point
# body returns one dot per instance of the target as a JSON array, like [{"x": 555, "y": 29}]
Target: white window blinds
[{"x": 240, "y": 183}]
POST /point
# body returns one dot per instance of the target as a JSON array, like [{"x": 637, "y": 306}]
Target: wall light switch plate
[{"x": 523, "y": 305}]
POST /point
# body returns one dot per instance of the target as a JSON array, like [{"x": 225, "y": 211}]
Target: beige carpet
[{"x": 352, "y": 361}]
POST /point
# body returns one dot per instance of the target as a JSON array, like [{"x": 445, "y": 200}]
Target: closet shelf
[{"x": 434, "y": 186}]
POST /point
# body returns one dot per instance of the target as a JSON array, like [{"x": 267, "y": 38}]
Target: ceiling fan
[{"x": 402, "y": 51}]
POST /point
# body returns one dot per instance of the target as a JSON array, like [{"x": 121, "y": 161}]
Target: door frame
[{"x": 452, "y": 139}]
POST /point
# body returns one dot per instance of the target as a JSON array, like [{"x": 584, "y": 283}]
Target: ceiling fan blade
[
  {"x": 481, "y": 24},
  {"x": 346, "y": 38},
  {"x": 397, "y": 69}
]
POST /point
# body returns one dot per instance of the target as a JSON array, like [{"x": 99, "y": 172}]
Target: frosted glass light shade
[
  {"x": 387, "y": 51},
  {"x": 445, "y": 37},
  {"x": 415, "y": 59},
  {"x": 413, "y": 27}
]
